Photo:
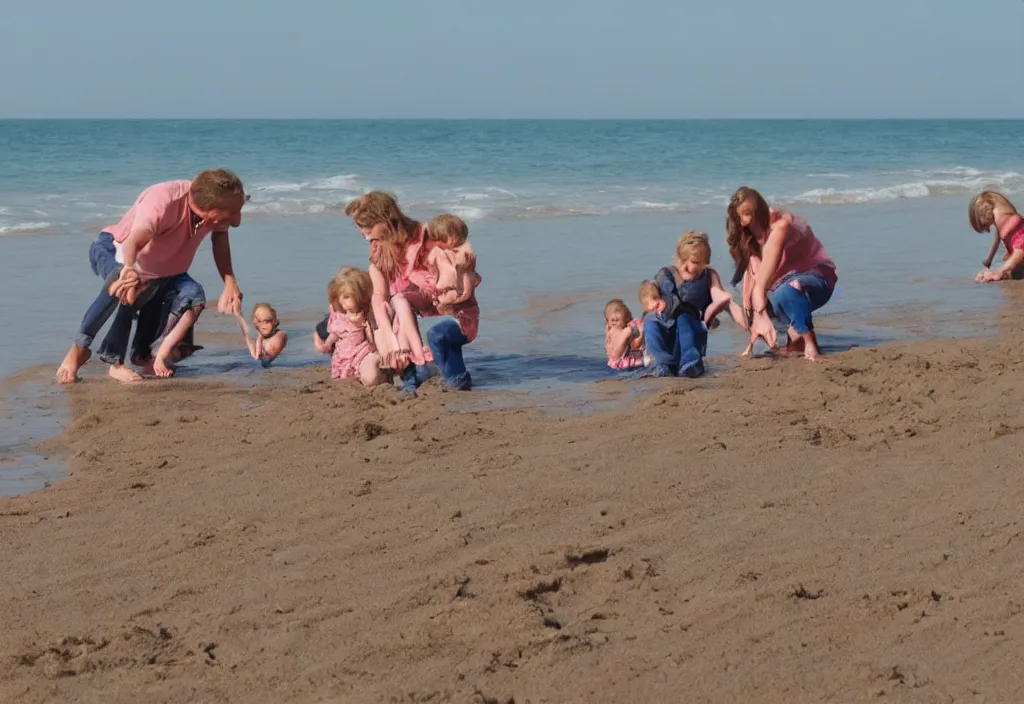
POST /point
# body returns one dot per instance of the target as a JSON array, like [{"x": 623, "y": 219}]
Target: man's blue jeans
[
  {"x": 168, "y": 301},
  {"x": 104, "y": 264}
]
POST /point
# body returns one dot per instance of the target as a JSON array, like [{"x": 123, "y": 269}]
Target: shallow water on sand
[
  {"x": 905, "y": 267},
  {"x": 905, "y": 271}
]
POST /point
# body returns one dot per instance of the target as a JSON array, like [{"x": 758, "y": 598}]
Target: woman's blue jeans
[
  {"x": 794, "y": 306},
  {"x": 446, "y": 342}
]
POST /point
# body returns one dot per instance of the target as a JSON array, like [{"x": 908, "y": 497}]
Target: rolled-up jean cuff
[
  {"x": 83, "y": 341},
  {"x": 188, "y": 295}
]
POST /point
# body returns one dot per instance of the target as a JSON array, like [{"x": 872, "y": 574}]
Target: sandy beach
[{"x": 781, "y": 532}]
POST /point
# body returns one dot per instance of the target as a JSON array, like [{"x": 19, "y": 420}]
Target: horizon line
[{"x": 511, "y": 119}]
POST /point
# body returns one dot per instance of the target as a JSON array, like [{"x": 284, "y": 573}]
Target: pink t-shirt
[
  {"x": 401, "y": 280},
  {"x": 802, "y": 252},
  {"x": 1014, "y": 238},
  {"x": 163, "y": 210}
]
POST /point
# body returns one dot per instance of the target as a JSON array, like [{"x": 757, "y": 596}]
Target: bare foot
[
  {"x": 795, "y": 348},
  {"x": 123, "y": 374},
  {"x": 161, "y": 368},
  {"x": 416, "y": 357},
  {"x": 75, "y": 359},
  {"x": 811, "y": 351}
]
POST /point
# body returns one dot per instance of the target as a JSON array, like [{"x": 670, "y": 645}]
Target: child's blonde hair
[
  {"x": 351, "y": 282},
  {"x": 617, "y": 304},
  {"x": 693, "y": 246},
  {"x": 448, "y": 228},
  {"x": 649, "y": 289},
  {"x": 982, "y": 208},
  {"x": 264, "y": 307}
]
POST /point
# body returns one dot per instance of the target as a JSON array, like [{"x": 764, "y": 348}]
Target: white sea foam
[
  {"x": 25, "y": 227},
  {"x": 328, "y": 195},
  {"x": 953, "y": 181},
  {"x": 343, "y": 182},
  {"x": 468, "y": 212},
  {"x": 641, "y": 205},
  {"x": 346, "y": 182}
]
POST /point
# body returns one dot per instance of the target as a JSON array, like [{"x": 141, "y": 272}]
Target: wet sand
[{"x": 782, "y": 532}]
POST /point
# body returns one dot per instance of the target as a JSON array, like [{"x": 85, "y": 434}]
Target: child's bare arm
[
  {"x": 384, "y": 336},
  {"x": 325, "y": 346},
  {"x": 720, "y": 300},
  {"x": 992, "y": 251},
  {"x": 465, "y": 266},
  {"x": 467, "y": 280},
  {"x": 249, "y": 343},
  {"x": 618, "y": 342},
  {"x": 274, "y": 345},
  {"x": 442, "y": 265},
  {"x": 321, "y": 345},
  {"x": 1005, "y": 271}
]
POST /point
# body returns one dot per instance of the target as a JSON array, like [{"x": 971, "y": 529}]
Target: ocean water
[
  {"x": 74, "y": 176},
  {"x": 563, "y": 214}
]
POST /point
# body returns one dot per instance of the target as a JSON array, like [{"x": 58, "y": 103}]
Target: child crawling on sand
[
  {"x": 350, "y": 328},
  {"x": 990, "y": 208},
  {"x": 270, "y": 339}
]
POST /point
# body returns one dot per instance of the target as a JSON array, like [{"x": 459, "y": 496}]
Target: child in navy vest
[{"x": 690, "y": 297}]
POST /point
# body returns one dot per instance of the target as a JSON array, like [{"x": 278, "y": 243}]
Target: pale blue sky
[{"x": 525, "y": 58}]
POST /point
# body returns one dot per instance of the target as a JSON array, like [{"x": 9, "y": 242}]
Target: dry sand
[{"x": 844, "y": 532}]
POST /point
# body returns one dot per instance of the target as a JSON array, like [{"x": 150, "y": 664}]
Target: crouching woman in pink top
[{"x": 786, "y": 272}]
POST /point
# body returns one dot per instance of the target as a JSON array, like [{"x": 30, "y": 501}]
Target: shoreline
[{"x": 785, "y": 532}]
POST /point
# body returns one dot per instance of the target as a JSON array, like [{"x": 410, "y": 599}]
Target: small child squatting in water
[
  {"x": 623, "y": 337},
  {"x": 270, "y": 339},
  {"x": 690, "y": 298},
  {"x": 990, "y": 208},
  {"x": 350, "y": 328}
]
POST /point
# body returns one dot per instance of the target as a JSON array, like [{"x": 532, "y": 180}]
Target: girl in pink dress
[
  {"x": 990, "y": 208},
  {"x": 350, "y": 328}
]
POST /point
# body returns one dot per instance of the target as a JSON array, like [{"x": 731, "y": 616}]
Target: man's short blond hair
[{"x": 212, "y": 187}]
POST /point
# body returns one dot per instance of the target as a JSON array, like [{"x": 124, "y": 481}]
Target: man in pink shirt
[{"x": 144, "y": 261}]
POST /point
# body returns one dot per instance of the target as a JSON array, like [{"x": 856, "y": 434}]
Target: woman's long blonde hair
[
  {"x": 351, "y": 282},
  {"x": 742, "y": 242},
  {"x": 388, "y": 252},
  {"x": 981, "y": 211}
]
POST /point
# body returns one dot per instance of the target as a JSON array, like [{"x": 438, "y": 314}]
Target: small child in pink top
[
  {"x": 990, "y": 208},
  {"x": 623, "y": 337},
  {"x": 452, "y": 264},
  {"x": 350, "y": 328}
]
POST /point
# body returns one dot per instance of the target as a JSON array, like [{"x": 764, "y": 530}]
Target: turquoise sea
[{"x": 563, "y": 214}]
